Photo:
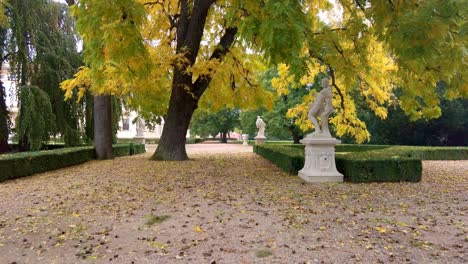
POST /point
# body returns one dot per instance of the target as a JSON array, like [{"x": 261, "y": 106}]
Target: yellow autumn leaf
[
  {"x": 381, "y": 230},
  {"x": 198, "y": 229}
]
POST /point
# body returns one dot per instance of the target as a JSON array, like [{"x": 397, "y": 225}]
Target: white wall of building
[{"x": 9, "y": 84}]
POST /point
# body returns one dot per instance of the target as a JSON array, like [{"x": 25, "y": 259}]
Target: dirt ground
[{"x": 228, "y": 205}]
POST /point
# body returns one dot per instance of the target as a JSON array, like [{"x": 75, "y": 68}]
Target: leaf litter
[{"x": 229, "y": 206}]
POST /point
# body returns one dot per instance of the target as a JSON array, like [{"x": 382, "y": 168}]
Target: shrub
[
  {"x": 27, "y": 163},
  {"x": 366, "y": 163},
  {"x": 35, "y": 119},
  {"x": 287, "y": 158},
  {"x": 194, "y": 140}
]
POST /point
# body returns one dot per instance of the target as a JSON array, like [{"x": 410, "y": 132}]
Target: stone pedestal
[
  {"x": 245, "y": 137},
  {"x": 259, "y": 140},
  {"x": 139, "y": 140},
  {"x": 319, "y": 163}
]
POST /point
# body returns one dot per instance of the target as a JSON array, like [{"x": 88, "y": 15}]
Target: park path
[
  {"x": 228, "y": 205},
  {"x": 210, "y": 148}
]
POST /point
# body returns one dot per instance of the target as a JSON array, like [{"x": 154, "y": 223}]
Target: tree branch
[
  {"x": 332, "y": 73},
  {"x": 333, "y": 29},
  {"x": 221, "y": 50}
]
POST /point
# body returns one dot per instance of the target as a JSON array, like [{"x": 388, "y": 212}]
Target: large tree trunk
[
  {"x": 185, "y": 93},
  {"x": 223, "y": 137},
  {"x": 181, "y": 107},
  {"x": 103, "y": 127},
  {"x": 3, "y": 120}
]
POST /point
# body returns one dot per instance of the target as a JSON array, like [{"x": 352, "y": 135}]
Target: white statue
[
  {"x": 261, "y": 127},
  {"x": 140, "y": 127},
  {"x": 323, "y": 107}
]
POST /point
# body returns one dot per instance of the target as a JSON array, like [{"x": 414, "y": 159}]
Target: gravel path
[{"x": 228, "y": 205}]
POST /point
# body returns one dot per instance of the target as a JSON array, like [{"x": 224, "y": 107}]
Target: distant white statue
[
  {"x": 323, "y": 107},
  {"x": 140, "y": 127},
  {"x": 261, "y": 127}
]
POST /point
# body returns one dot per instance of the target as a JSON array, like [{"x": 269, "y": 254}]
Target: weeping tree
[
  {"x": 43, "y": 48},
  {"x": 35, "y": 121},
  {"x": 56, "y": 58},
  {"x": 4, "y": 115}
]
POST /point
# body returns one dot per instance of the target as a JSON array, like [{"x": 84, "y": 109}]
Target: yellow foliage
[{"x": 371, "y": 49}]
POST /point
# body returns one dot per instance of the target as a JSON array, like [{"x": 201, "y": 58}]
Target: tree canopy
[{"x": 216, "y": 48}]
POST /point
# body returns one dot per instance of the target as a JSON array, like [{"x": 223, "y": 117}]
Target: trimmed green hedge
[
  {"x": 367, "y": 163},
  {"x": 194, "y": 140},
  {"x": 131, "y": 140},
  {"x": 27, "y": 163},
  {"x": 288, "y": 158},
  {"x": 15, "y": 146}
]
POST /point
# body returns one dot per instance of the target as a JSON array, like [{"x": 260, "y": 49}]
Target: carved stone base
[
  {"x": 245, "y": 137},
  {"x": 319, "y": 163},
  {"x": 260, "y": 140},
  {"x": 139, "y": 140}
]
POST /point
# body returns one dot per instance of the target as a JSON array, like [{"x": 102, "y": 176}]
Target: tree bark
[
  {"x": 185, "y": 93},
  {"x": 181, "y": 107},
  {"x": 3, "y": 121},
  {"x": 223, "y": 137},
  {"x": 103, "y": 127},
  {"x": 296, "y": 135}
]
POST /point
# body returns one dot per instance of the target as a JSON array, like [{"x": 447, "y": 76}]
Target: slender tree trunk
[
  {"x": 3, "y": 121},
  {"x": 223, "y": 137},
  {"x": 103, "y": 127},
  {"x": 89, "y": 117},
  {"x": 295, "y": 134}
]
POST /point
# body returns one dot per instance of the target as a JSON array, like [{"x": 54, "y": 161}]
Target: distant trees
[
  {"x": 221, "y": 122},
  {"x": 450, "y": 129},
  {"x": 212, "y": 49}
]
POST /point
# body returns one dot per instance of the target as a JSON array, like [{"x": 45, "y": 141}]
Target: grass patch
[
  {"x": 263, "y": 253},
  {"x": 155, "y": 219}
]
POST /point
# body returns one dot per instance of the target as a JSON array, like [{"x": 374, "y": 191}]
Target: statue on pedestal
[
  {"x": 260, "y": 138},
  {"x": 139, "y": 138},
  {"x": 261, "y": 127},
  {"x": 319, "y": 160},
  {"x": 323, "y": 107},
  {"x": 140, "y": 127}
]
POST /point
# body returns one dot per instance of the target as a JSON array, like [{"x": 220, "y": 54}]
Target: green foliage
[
  {"x": 116, "y": 107},
  {"x": 277, "y": 27},
  {"x": 205, "y": 123},
  {"x": 247, "y": 121},
  {"x": 35, "y": 120},
  {"x": 367, "y": 163},
  {"x": 263, "y": 253},
  {"x": 119, "y": 150},
  {"x": 155, "y": 219},
  {"x": 56, "y": 58},
  {"x": 194, "y": 140},
  {"x": 449, "y": 129},
  {"x": 279, "y": 124},
  {"x": 27, "y": 163},
  {"x": 288, "y": 159},
  {"x": 43, "y": 52},
  {"x": 114, "y": 26}
]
